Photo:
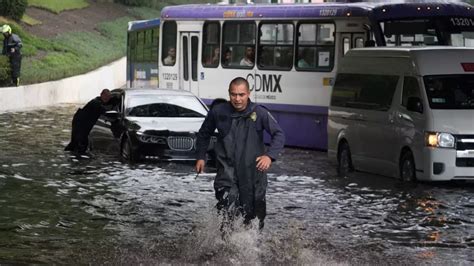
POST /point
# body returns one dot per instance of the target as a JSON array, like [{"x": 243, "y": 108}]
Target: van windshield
[{"x": 450, "y": 91}]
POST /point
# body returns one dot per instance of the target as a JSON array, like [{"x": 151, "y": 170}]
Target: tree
[{"x": 13, "y": 8}]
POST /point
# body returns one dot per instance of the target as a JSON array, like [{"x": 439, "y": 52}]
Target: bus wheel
[
  {"x": 344, "y": 161},
  {"x": 407, "y": 167}
]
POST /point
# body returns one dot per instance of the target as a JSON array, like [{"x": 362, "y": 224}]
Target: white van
[{"x": 404, "y": 112}]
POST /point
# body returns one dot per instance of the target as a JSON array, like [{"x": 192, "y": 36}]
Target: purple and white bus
[{"x": 289, "y": 53}]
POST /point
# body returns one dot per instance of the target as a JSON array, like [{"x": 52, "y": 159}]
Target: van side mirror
[{"x": 414, "y": 104}]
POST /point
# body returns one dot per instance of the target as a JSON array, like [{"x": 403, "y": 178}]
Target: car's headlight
[
  {"x": 439, "y": 140},
  {"x": 150, "y": 139}
]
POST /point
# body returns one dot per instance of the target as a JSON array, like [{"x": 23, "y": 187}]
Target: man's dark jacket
[
  {"x": 83, "y": 121},
  {"x": 238, "y": 185}
]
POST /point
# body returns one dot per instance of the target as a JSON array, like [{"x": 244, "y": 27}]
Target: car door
[{"x": 106, "y": 132}]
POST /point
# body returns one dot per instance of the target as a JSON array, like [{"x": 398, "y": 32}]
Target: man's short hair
[
  {"x": 239, "y": 81},
  {"x": 105, "y": 91}
]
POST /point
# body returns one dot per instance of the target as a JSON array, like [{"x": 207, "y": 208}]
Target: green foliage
[
  {"x": 132, "y": 2},
  {"x": 77, "y": 52},
  {"x": 13, "y": 8},
  {"x": 144, "y": 12},
  {"x": 29, "y": 20},
  {"x": 4, "y": 71},
  {"x": 56, "y": 6}
]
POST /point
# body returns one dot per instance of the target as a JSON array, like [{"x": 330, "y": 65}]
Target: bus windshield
[
  {"x": 450, "y": 91},
  {"x": 429, "y": 31}
]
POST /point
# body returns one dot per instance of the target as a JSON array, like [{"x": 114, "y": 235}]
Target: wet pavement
[{"x": 56, "y": 208}]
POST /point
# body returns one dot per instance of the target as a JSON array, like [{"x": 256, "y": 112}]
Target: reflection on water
[{"x": 56, "y": 208}]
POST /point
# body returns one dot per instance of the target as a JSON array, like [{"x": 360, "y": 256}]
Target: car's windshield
[
  {"x": 450, "y": 91},
  {"x": 164, "y": 106}
]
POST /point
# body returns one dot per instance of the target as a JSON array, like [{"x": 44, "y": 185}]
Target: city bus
[
  {"x": 142, "y": 53},
  {"x": 289, "y": 53}
]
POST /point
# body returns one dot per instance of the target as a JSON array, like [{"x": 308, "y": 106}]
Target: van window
[
  {"x": 450, "y": 91},
  {"x": 373, "y": 92},
  {"x": 410, "y": 89}
]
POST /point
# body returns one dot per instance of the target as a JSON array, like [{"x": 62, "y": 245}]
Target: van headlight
[{"x": 439, "y": 140}]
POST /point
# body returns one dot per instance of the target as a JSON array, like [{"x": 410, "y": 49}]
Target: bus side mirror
[{"x": 414, "y": 104}]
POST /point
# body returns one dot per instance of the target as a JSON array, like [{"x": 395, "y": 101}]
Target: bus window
[
  {"x": 239, "y": 43},
  {"x": 346, "y": 45},
  {"x": 168, "y": 51},
  {"x": 185, "y": 59},
  {"x": 140, "y": 44},
  {"x": 359, "y": 42},
  {"x": 210, "y": 44},
  {"x": 132, "y": 46},
  {"x": 315, "y": 47},
  {"x": 194, "y": 57},
  {"x": 410, "y": 32},
  {"x": 276, "y": 46}
]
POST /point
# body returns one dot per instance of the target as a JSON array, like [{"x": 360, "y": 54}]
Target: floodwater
[{"x": 55, "y": 208}]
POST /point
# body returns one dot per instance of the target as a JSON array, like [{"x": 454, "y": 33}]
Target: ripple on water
[{"x": 101, "y": 210}]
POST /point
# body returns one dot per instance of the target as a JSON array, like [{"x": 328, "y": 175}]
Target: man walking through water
[{"x": 241, "y": 182}]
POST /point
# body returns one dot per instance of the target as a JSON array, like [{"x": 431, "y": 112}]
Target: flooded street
[{"x": 55, "y": 208}]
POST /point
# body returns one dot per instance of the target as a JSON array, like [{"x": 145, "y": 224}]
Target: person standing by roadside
[
  {"x": 242, "y": 160},
  {"x": 12, "y": 48},
  {"x": 83, "y": 121}
]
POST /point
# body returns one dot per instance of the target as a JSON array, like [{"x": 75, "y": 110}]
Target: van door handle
[{"x": 405, "y": 117}]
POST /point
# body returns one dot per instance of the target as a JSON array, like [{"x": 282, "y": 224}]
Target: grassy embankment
[
  {"x": 58, "y": 6},
  {"x": 76, "y": 53},
  {"x": 72, "y": 53}
]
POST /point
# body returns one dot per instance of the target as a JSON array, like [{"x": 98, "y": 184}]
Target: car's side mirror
[
  {"x": 112, "y": 115},
  {"x": 414, "y": 104}
]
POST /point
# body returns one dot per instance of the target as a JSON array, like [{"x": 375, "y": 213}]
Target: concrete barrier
[{"x": 77, "y": 89}]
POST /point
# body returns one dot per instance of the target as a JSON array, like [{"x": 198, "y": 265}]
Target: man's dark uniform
[
  {"x": 238, "y": 184},
  {"x": 82, "y": 123},
  {"x": 13, "y": 41}
]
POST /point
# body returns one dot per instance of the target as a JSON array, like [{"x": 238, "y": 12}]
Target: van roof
[{"x": 429, "y": 60}]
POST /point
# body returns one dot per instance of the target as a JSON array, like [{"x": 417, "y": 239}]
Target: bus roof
[
  {"x": 380, "y": 10},
  {"x": 143, "y": 24},
  {"x": 265, "y": 11},
  {"x": 389, "y": 11}
]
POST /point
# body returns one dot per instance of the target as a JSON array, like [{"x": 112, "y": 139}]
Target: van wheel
[
  {"x": 407, "y": 167},
  {"x": 344, "y": 161},
  {"x": 126, "y": 151}
]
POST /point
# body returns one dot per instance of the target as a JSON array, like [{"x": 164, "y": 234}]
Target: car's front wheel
[{"x": 126, "y": 151}]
